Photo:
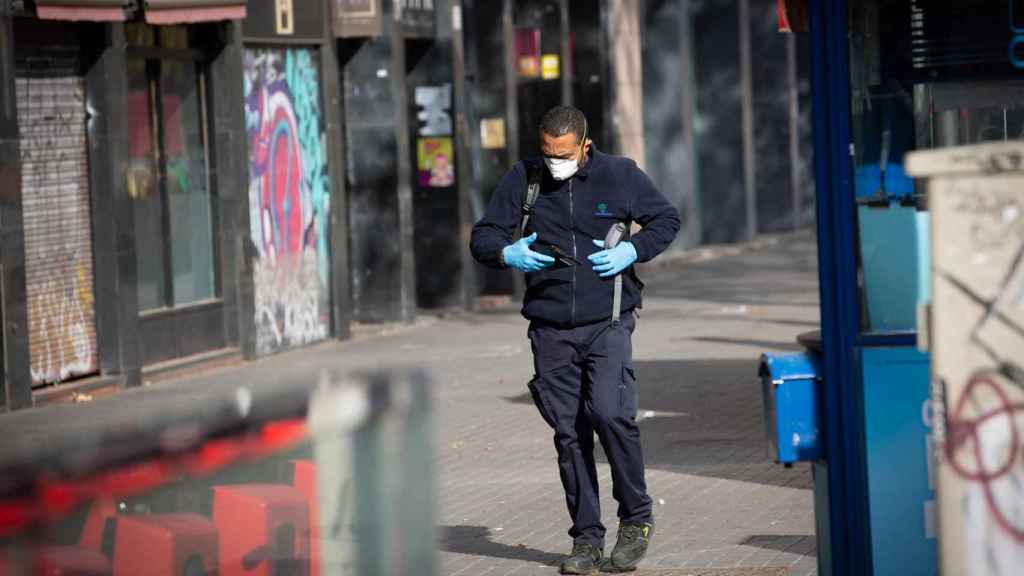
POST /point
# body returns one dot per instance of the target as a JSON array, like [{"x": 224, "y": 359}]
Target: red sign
[{"x": 792, "y": 15}]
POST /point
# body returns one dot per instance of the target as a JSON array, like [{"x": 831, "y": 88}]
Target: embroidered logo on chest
[{"x": 602, "y": 210}]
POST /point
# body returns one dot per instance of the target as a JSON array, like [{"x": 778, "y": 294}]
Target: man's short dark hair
[{"x": 562, "y": 120}]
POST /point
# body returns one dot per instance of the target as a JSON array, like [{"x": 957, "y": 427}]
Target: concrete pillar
[
  {"x": 334, "y": 120},
  {"x": 230, "y": 171},
  {"x": 117, "y": 313},
  {"x": 627, "y": 78},
  {"x": 747, "y": 88}
]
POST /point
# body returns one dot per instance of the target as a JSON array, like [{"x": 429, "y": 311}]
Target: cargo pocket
[
  {"x": 538, "y": 401},
  {"x": 628, "y": 395}
]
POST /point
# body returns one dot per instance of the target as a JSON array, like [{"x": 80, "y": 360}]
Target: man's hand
[
  {"x": 611, "y": 262},
  {"x": 520, "y": 257}
]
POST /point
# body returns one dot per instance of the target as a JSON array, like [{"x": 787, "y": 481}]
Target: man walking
[{"x": 581, "y": 341}]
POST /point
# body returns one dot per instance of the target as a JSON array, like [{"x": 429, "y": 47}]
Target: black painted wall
[
  {"x": 716, "y": 151},
  {"x": 117, "y": 318},
  {"x": 435, "y": 210},
  {"x": 485, "y": 70},
  {"x": 13, "y": 308},
  {"x": 229, "y": 179},
  {"x": 377, "y": 144},
  {"x": 371, "y": 160},
  {"x": 669, "y": 153},
  {"x": 719, "y": 129},
  {"x": 591, "y": 80},
  {"x": 773, "y": 181},
  {"x": 536, "y": 95}
]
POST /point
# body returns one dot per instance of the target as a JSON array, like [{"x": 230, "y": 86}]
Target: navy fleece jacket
[{"x": 570, "y": 214}]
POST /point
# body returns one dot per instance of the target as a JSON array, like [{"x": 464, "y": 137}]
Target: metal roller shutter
[{"x": 58, "y": 226}]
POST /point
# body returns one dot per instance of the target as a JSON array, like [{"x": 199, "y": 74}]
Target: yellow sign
[
  {"x": 492, "y": 133},
  {"x": 550, "y": 67},
  {"x": 285, "y": 23}
]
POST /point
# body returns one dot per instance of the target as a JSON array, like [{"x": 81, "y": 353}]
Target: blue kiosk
[{"x": 888, "y": 77}]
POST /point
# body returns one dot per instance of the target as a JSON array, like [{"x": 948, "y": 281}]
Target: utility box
[
  {"x": 789, "y": 386},
  {"x": 976, "y": 338}
]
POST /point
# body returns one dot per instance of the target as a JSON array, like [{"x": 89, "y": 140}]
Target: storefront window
[{"x": 168, "y": 164}]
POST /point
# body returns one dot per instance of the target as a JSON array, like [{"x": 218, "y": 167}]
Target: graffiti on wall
[
  {"x": 979, "y": 275},
  {"x": 61, "y": 317},
  {"x": 289, "y": 197},
  {"x": 58, "y": 228}
]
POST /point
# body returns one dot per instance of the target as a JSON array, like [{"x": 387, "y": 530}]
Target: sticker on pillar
[
  {"x": 492, "y": 133},
  {"x": 528, "y": 52},
  {"x": 435, "y": 162},
  {"x": 434, "y": 103},
  {"x": 550, "y": 67}
]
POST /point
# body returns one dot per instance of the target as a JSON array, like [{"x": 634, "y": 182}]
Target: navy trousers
[{"x": 584, "y": 384}]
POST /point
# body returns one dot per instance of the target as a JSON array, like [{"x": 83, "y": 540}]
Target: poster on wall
[
  {"x": 289, "y": 197},
  {"x": 435, "y": 104},
  {"x": 492, "y": 133},
  {"x": 357, "y": 18},
  {"x": 436, "y": 168}
]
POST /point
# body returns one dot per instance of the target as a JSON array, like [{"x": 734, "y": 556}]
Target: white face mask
[{"x": 561, "y": 168}]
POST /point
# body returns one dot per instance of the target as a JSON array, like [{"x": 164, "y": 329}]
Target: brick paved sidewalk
[{"x": 721, "y": 507}]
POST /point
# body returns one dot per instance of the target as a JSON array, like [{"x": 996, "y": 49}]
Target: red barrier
[
  {"x": 304, "y": 480},
  {"x": 263, "y": 530},
  {"x": 165, "y": 545}
]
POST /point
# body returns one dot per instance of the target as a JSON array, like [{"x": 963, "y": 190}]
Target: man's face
[{"x": 564, "y": 147}]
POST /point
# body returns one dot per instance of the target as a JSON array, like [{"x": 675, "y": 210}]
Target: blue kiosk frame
[{"x": 870, "y": 519}]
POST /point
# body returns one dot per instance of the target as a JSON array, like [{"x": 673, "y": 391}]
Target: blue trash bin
[{"x": 789, "y": 385}]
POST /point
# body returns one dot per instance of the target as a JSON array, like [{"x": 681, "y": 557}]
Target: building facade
[{"x": 246, "y": 177}]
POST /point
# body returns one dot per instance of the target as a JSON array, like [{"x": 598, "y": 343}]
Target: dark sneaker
[
  {"x": 585, "y": 559},
  {"x": 631, "y": 547}
]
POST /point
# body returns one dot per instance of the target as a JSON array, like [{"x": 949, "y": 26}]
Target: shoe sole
[{"x": 593, "y": 572}]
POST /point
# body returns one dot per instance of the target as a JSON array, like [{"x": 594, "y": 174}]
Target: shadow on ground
[
  {"x": 746, "y": 342},
  {"x": 779, "y": 543},
  {"x": 703, "y": 418},
  {"x": 476, "y": 540},
  {"x": 786, "y": 275}
]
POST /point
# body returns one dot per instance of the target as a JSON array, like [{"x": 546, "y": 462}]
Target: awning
[
  {"x": 88, "y": 10},
  {"x": 187, "y": 11}
]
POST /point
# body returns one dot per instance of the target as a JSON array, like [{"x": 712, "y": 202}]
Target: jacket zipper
[{"x": 572, "y": 232}]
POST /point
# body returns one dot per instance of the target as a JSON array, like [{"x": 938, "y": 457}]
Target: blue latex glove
[
  {"x": 611, "y": 262},
  {"x": 520, "y": 257}
]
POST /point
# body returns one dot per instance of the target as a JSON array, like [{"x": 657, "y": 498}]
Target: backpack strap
[{"x": 534, "y": 176}]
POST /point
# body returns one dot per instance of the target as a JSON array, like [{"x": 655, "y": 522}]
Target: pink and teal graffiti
[
  {"x": 277, "y": 162},
  {"x": 287, "y": 197}
]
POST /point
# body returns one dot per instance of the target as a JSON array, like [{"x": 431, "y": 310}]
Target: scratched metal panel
[{"x": 58, "y": 227}]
